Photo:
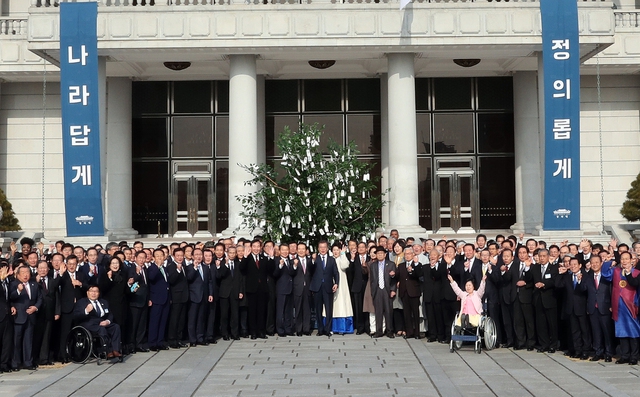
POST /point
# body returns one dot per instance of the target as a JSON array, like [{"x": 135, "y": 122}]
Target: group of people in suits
[{"x": 581, "y": 298}]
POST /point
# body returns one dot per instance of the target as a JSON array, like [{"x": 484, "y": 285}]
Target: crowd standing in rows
[{"x": 578, "y": 298}]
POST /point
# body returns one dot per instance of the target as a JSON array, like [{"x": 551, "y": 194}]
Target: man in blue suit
[
  {"x": 198, "y": 277},
  {"x": 159, "y": 298},
  {"x": 323, "y": 284},
  {"x": 26, "y": 298}
]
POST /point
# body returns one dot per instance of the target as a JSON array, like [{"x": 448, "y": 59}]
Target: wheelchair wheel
[
  {"x": 489, "y": 333},
  {"x": 79, "y": 344},
  {"x": 455, "y": 344}
]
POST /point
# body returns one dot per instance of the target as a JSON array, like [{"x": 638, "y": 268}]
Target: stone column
[
  {"x": 403, "y": 151},
  {"x": 243, "y": 134},
  {"x": 384, "y": 140},
  {"x": 262, "y": 122},
  {"x": 118, "y": 175},
  {"x": 528, "y": 155}
]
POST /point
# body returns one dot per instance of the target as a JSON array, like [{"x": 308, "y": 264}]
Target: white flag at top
[{"x": 403, "y": 3}]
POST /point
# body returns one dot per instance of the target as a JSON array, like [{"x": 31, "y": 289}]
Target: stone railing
[
  {"x": 627, "y": 20},
  {"x": 147, "y": 3},
  {"x": 13, "y": 27}
]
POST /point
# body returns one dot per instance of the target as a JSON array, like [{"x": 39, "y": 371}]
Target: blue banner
[
  {"x": 561, "y": 63},
  {"x": 80, "y": 118}
]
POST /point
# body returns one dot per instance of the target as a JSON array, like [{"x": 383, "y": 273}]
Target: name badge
[
  {"x": 547, "y": 276},
  {"x": 106, "y": 311}
]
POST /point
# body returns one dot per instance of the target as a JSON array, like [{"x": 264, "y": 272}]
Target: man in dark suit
[
  {"x": 357, "y": 276},
  {"x": 432, "y": 297},
  {"x": 449, "y": 266},
  {"x": 301, "y": 294},
  {"x": 26, "y": 299},
  {"x": 199, "y": 278},
  {"x": 212, "y": 316},
  {"x": 139, "y": 304},
  {"x": 585, "y": 256},
  {"x": 179, "y": 288},
  {"x": 93, "y": 314},
  {"x": 271, "y": 286},
  {"x": 382, "y": 273},
  {"x": 92, "y": 268},
  {"x": 523, "y": 314},
  {"x": 324, "y": 283},
  {"x": 509, "y": 275},
  {"x": 159, "y": 298},
  {"x": 231, "y": 291},
  {"x": 575, "y": 307},
  {"x": 48, "y": 313},
  {"x": 544, "y": 302},
  {"x": 6, "y": 319},
  {"x": 598, "y": 285},
  {"x": 256, "y": 267},
  {"x": 283, "y": 274},
  {"x": 408, "y": 275},
  {"x": 73, "y": 287},
  {"x": 471, "y": 267}
]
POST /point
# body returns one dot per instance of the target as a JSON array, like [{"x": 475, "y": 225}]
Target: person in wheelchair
[
  {"x": 471, "y": 302},
  {"x": 93, "y": 314}
]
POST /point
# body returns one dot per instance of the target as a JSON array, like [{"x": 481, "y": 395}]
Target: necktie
[
  {"x": 163, "y": 273},
  {"x": 44, "y": 285},
  {"x": 26, "y": 286},
  {"x": 200, "y": 271},
  {"x": 73, "y": 275},
  {"x": 381, "y": 275},
  {"x": 231, "y": 267},
  {"x": 255, "y": 258},
  {"x": 544, "y": 269},
  {"x": 5, "y": 287},
  {"x": 323, "y": 262},
  {"x": 96, "y": 305},
  {"x": 575, "y": 280},
  {"x": 484, "y": 269},
  {"x": 521, "y": 269},
  {"x": 595, "y": 279},
  {"x": 144, "y": 276},
  {"x": 304, "y": 265}
]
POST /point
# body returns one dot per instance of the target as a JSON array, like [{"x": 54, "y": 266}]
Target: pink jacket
[{"x": 476, "y": 298}]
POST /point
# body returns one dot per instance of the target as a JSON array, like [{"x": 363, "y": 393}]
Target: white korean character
[
  {"x": 562, "y": 129},
  {"x": 78, "y": 94},
  {"x": 83, "y": 55},
  {"x": 564, "y": 166},
  {"x": 564, "y": 87},
  {"x": 79, "y": 135},
  {"x": 84, "y": 172},
  {"x": 560, "y": 45}
]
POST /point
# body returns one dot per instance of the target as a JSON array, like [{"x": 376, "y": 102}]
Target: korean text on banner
[
  {"x": 80, "y": 118},
  {"x": 561, "y": 64}
]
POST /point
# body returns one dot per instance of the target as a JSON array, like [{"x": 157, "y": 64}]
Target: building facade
[{"x": 444, "y": 97}]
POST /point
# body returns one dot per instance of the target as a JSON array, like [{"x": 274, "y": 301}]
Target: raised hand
[
  {"x": 88, "y": 308},
  {"x": 20, "y": 287},
  {"x": 13, "y": 247}
]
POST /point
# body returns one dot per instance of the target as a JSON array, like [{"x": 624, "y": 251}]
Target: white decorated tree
[{"x": 318, "y": 196}]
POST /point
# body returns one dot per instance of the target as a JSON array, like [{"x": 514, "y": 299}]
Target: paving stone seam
[
  {"x": 507, "y": 372},
  {"x": 595, "y": 381},
  {"x": 50, "y": 380},
  {"x": 428, "y": 356},
  {"x": 212, "y": 368},
  {"x": 182, "y": 352},
  {"x": 131, "y": 373}
]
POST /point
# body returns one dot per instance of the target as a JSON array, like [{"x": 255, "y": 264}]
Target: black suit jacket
[
  {"x": 256, "y": 277},
  {"x": 409, "y": 281},
  {"x": 198, "y": 285},
  {"x": 302, "y": 278},
  {"x": 69, "y": 293},
  {"x": 475, "y": 274},
  {"x": 357, "y": 275},
  {"x": 178, "y": 284},
  {"x": 284, "y": 276},
  {"x": 545, "y": 294},
  {"x": 575, "y": 299},
  {"x": 600, "y": 295},
  {"x": 231, "y": 283},
  {"x": 140, "y": 298},
  {"x": 92, "y": 320},
  {"x": 50, "y": 298},
  {"x": 508, "y": 288},
  {"x": 389, "y": 280},
  {"x": 5, "y": 302}
]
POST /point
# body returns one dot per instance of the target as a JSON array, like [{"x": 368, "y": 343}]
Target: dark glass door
[
  {"x": 455, "y": 190},
  {"x": 192, "y": 200}
]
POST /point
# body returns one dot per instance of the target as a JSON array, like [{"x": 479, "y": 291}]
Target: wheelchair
[
  {"x": 485, "y": 333},
  {"x": 83, "y": 345}
]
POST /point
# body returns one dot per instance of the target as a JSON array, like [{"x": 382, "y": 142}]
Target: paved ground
[{"x": 340, "y": 366}]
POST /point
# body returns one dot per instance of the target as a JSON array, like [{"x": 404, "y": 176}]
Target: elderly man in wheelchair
[
  {"x": 95, "y": 332},
  {"x": 470, "y": 324}
]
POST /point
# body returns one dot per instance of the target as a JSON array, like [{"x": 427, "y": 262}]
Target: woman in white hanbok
[{"x": 342, "y": 310}]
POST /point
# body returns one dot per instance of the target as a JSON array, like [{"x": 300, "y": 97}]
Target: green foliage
[
  {"x": 631, "y": 207},
  {"x": 318, "y": 196},
  {"x": 9, "y": 221}
]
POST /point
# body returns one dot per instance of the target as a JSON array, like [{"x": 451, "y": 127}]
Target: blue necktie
[{"x": 575, "y": 280}]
